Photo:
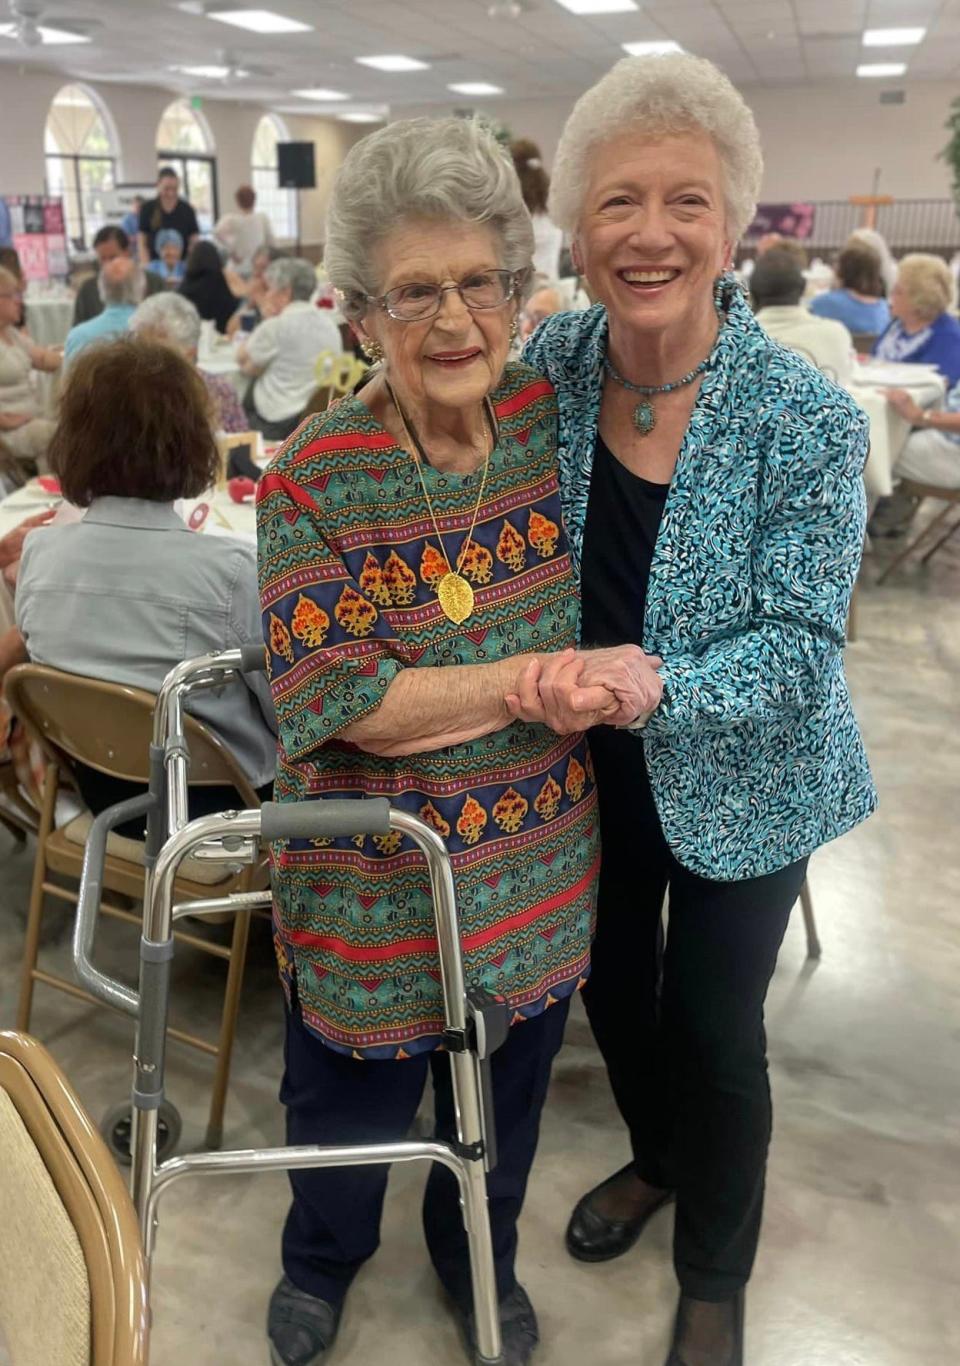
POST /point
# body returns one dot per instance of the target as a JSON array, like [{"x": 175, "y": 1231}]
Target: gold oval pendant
[{"x": 455, "y": 596}]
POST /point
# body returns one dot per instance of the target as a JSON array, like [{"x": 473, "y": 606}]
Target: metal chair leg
[
  {"x": 810, "y": 924},
  {"x": 228, "y": 1029},
  {"x": 31, "y": 948},
  {"x": 917, "y": 540}
]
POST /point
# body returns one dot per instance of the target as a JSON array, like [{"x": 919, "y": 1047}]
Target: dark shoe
[
  {"x": 693, "y": 1330},
  {"x": 593, "y": 1237},
  {"x": 301, "y": 1328},
  {"x": 518, "y": 1328}
]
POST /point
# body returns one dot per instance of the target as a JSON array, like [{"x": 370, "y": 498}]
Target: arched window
[
  {"x": 278, "y": 204},
  {"x": 184, "y": 142},
  {"x": 81, "y": 156}
]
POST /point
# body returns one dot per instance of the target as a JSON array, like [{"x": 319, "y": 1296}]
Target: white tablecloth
[
  {"x": 222, "y": 360},
  {"x": 888, "y": 430},
  {"x": 48, "y": 322},
  {"x": 224, "y": 516}
]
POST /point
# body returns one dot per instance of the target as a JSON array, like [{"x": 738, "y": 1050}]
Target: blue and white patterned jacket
[{"x": 754, "y": 753}]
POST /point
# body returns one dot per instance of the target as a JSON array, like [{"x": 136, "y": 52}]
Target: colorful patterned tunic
[{"x": 348, "y": 570}]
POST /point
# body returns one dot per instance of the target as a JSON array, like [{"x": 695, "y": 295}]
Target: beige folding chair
[
  {"x": 73, "y": 1288},
  {"x": 109, "y": 727},
  {"x": 950, "y": 499}
]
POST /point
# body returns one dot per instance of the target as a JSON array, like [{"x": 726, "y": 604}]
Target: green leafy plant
[{"x": 951, "y": 153}]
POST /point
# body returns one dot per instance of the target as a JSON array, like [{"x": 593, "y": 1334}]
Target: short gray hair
[
  {"x": 170, "y": 316},
  {"x": 293, "y": 273},
  {"x": 449, "y": 168},
  {"x": 655, "y": 95}
]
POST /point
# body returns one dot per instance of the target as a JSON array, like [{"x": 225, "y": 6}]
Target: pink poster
[
  {"x": 53, "y": 217},
  {"x": 31, "y": 247}
]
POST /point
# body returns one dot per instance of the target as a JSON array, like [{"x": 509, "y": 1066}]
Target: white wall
[
  {"x": 136, "y": 111},
  {"x": 819, "y": 142}
]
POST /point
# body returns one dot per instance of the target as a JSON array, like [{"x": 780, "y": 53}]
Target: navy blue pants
[
  {"x": 681, "y": 1028},
  {"x": 334, "y": 1221}
]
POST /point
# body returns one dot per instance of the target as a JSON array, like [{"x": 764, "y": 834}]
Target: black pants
[
  {"x": 334, "y": 1221},
  {"x": 681, "y": 1027}
]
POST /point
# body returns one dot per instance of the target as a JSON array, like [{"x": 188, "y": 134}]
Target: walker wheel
[{"x": 117, "y": 1127}]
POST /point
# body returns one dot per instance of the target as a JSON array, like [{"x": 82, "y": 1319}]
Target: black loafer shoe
[
  {"x": 518, "y": 1329},
  {"x": 301, "y": 1328},
  {"x": 592, "y": 1237},
  {"x": 735, "y": 1356}
]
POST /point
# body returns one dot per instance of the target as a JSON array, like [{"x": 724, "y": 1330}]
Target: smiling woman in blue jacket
[{"x": 713, "y": 497}]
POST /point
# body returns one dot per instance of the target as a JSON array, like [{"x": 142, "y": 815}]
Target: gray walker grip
[
  {"x": 253, "y": 659},
  {"x": 88, "y": 903},
  {"x": 324, "y": 819}
]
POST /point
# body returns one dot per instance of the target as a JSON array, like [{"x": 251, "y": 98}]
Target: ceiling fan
[
  {"x": 30, "y": 18},
  {"x": 225, "y": 66}
]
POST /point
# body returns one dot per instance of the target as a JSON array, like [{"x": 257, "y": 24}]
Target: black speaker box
[{"x": 295, "y": 166}]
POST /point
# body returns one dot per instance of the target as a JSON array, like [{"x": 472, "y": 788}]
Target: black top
[
  {"x": 153, "y": 217},
  {"x": 623, "y": 518},
  {"x": 205, "y": 285}
]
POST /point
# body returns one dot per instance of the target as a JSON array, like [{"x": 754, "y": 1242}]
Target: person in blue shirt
[
  {"x": 130, "y": 222},
  {"x": 857, "y": 302},
  {"x": 923, "y": 332},
  {"x": 122, "y": 286},
  {"x": 169, "y": 265}
]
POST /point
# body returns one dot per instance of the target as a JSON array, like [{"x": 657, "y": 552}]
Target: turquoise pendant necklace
[{"x": 644, "y": 418}]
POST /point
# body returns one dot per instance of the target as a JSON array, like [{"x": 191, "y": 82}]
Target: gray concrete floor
[{"x": 858, "y": 1265}]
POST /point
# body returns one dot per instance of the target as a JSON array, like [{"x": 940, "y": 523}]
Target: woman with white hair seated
[
  {"x": 282, "y": 351},
  {"x": 172, "y": 319},
  {"x": 713, "y": 496},
  {"x": 923, "y": 331}
]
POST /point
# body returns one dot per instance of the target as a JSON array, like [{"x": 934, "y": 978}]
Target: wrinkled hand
[
  {"x": 546, "y": 690},
  {"x": 629, "y": 674},
  {"x": 904, "y": 405},
  {"x": 11, "y": 545}
]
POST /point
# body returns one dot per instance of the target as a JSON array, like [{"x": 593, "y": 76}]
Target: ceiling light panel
[
  {"x": 207, "y": 73},
  {"x": 598, "y": 6},
  {"x": 655, "y": 49},
  {"x": 259, "y": 20},
  {"x": 316, "y": 93},
  {"x": 893, "y": 37},
  {"x": 360, "y": 117},
  {"x": 393, "y": 62},
  {"x": 881, "y": 69},
  {"x": 475, "y": 88}
]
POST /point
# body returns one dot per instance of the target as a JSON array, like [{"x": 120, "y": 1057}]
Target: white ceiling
[{"x": 548, "y": 52}]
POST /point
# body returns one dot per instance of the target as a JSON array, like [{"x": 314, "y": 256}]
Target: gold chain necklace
[{"x": 454, "y": 592}]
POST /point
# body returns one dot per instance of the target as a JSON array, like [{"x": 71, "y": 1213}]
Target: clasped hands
[{"x": 576, "y": 689}]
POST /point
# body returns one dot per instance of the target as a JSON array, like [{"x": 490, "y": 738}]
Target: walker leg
[
  {"x": 810, "y": 924},
  {"x": 228, "y": 1028}
]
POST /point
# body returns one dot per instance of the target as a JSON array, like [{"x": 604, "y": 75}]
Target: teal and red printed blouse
[{"x": 348, "y": 569}]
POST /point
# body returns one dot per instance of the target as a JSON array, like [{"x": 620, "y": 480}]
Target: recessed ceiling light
[
  {"x": 360, "y": 117},
  {"x": 393, "y": 62},
  {"x": 893, "y": 37},
  {"x": 598, "y": 6},
  {"x": 881, "y": 69},
  {"x": 48, "y": 35},
  {"x": 259, "y": 20},
  {"x": 209, "y": 73},
  {"x": 651, "y": 49},
  {"x": 475, "y": 88},
  {"x": 315, "y": 93}
]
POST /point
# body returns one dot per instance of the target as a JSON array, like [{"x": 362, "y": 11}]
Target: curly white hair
[{"x": 655, "y": 95}]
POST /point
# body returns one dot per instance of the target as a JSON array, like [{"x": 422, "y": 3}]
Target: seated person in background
[
  {"x": 254, "y": 292},
  {"x": 857, "y": 301},
  {"x": 923, "y": 332},
  {"x": 931, "y": 456},
  {"x": 122, "y": 285},
  {"x": 129, "y": 591},
  {"x": 205, "y": 285},
  {"x": 10, "y": 260},
  {"x": 169, "y": 266},
  {"x": 130, "y": 222},
  {"x": 245, "y": 232},
  {"x": 541, "y": 304},
  {"x": 24, "y": 431},
  {"x": 283, "y": 350},
  {"x": 776, "y": 288},
  {"x": 173, "y": 320},
  {"x": 110, "y": 244}
]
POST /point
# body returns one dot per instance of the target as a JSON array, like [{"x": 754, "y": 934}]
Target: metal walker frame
[{"x": 475, "y": 1023}]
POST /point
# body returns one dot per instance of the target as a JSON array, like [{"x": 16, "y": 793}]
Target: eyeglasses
[{"x": 485, "y": 289}]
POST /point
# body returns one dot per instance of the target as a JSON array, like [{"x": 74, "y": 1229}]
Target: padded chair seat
[{"x": 204, "y": 871}]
